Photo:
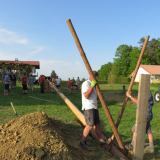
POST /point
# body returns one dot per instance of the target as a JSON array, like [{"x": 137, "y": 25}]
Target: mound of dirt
[{"x": 36, "y": 136}]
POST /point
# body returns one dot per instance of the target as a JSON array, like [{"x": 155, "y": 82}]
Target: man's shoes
[
  {"x": 84, "y": 146},
  {"x": 149, "y": 149},
  {"x": 129, "y": 146},
  {"x": 103, "y": 144}
]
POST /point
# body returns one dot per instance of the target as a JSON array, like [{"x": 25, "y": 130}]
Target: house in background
[
  {"x": 152, "y": 70},
  {"x": 34, "y": 65}
]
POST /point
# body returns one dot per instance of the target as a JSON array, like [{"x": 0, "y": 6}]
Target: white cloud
[
  {"x": 63, "y": 69},
  {"x": 38, "y": 49},
  {"x": 8, "y": 37}
]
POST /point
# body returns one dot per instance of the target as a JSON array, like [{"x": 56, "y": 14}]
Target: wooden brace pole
[
  {"x": 141, "y": 116},
  {"x": 132, "y": 82},
  {"x": 97, "y": 87}
]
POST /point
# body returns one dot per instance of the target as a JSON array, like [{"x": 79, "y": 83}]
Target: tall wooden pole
[
  {"x": 141, "y": 116},
  {"x": 132, "y": 82},
  {"x": 97, "y": 86}
]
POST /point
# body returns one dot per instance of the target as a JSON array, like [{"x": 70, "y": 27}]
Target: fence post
[{"x": 141, "y": 116}]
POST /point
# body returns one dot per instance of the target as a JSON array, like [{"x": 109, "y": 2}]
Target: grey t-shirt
[
  {"x": 31, "y": 80},
  {"x": 7, "y": 79},
  {"x": 78, "y": 81}
]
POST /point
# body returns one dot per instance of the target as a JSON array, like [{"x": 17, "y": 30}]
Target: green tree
[
  {"x": 104, "y": 71},
  {"x": 122, "y": 59},
  {"x": 151, "y": 48},
  {"x": 158, "y": 55},
  {"x": 53, "y": 73}
]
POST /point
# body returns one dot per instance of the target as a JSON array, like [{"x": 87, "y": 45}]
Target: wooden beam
[
  {"x": 141, "y": 116},
  {"x": 89, "y": 69}
]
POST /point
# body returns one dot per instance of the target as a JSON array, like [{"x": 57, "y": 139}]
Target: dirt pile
[{"x": 36, "y": 136}]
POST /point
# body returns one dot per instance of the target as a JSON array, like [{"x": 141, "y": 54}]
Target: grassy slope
[{"x": 114, "y": 99}]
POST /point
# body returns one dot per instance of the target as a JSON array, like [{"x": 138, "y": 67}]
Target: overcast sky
[{"x": 36, "y": 30}]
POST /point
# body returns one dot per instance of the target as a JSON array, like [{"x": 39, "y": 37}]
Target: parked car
[
  {"x": 36, "y": 82},
  {"x": 157, "y": 96}
]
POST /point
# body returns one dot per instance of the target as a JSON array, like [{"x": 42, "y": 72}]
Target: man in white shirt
[
  {"x": 91, "y": 114},
  {"x": 58, "y": 81}
]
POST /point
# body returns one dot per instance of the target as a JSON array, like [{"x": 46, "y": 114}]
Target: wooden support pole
[
  {"x": 80, "y": 116},
  {"x": 14, "y": 109},
  {"x": 141, "y": 116},
  {"x": 132, "y": 82},
  {"x": 86, "y": 62}
]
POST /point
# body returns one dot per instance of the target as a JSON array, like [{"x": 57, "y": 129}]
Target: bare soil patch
[{"x": 35, "y": 136}]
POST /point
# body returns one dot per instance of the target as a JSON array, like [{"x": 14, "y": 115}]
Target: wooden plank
[{"x": 141, "y": 116}]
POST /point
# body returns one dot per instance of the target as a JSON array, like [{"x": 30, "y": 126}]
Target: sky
[{"x": 36, "y": 30}]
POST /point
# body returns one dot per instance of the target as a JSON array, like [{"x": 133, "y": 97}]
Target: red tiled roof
[
  {"x": 151, "y": 69},
  {"x": 32, "y": 63}
]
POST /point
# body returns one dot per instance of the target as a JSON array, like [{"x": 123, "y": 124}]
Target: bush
[
  {"x": 102, "y": 82},
  {"x": 123, "y": 80}
]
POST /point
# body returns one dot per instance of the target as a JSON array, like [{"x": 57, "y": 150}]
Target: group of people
[
  {"x": 72, "y": 84},
  {"x": 7, "y": 79},
  {"x": 91, "y": 114},
  {"x": 30, "y": 82},
  {"x": 53, "y": 79},
  {"x": 12, "y": 78}
]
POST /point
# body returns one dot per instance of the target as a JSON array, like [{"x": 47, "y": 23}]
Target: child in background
[{"x": 69, "y": 86}]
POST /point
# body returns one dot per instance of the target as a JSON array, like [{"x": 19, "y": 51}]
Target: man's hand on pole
[{"x": 93, "y": 83}]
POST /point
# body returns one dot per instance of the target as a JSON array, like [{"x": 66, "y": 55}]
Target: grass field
[{"x": 114, "y": 98}]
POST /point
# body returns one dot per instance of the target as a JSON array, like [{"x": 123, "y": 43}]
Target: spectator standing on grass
[
  {"x": 78, "y": 82},
  {"x": 42, "y": 83},
  {"x": 58, "y": 82},
  {"x": 149, "y": 148},
  {"x": 24, "y": 83},
  {"x": 73, "y": 81},
  {"x": 13, "y": 80},
  {"x": 53, "y": 80},
  {"x": 6, "y": 84},
  {"x": 31, "y": 82},
  {"x": 69, "y": 86},
  {"x": 91, "y": 114},
  {"x": 3, "y": 77}
]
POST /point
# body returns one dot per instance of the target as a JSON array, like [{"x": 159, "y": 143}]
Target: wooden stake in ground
[
  {"x": 132, "y": 82},
  {"x": 141, "y": 116},
  {"x": 97, "y": 86},
  {"x": 14, "y": 109}
]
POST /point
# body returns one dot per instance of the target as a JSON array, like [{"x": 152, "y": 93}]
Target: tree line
[{"x": 126, "y": 58}]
